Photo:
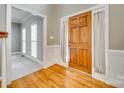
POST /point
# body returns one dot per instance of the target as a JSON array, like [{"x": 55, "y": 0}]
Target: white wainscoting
[
  {"x": 53, "y": 56},
  {"x": 115, "y": 74}
]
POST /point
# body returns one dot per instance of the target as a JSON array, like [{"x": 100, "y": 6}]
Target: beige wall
[
  {"x": 116, "y": 21},
  {"x": 67, "y": 9},
  {"x": 54, "y": 13},
  {"x": 117, "y": 27},
  {"x": 2, "y": 17}
]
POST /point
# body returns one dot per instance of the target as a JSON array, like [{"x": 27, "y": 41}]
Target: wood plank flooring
[
  {"x": 58, "y": 76},
  {"x": 0, "y": 83}
]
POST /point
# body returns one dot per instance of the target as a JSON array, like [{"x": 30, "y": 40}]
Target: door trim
[{"x": 95, "y": 8}]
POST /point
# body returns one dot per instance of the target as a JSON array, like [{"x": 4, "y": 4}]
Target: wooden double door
[{"x": 80, "y": 42}]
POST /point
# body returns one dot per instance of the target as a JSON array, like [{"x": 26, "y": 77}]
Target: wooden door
[{"x": 80, "y": 42}]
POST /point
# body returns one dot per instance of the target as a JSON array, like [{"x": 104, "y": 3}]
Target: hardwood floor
[
  {"x": 0, "y": 83},
  {"x": 58, "y": 77}
]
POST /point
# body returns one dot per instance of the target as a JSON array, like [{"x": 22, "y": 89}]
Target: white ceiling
[{"x": 18, "y": 16}]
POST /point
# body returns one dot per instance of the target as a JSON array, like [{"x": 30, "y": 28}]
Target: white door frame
[
  {"x": 8, "y": 29},
  {"x": 95, "y": 8}
]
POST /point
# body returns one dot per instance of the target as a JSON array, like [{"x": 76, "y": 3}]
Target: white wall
[{"x": 16, "y": 37}]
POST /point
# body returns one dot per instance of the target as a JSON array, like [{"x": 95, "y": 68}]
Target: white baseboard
[
  {"x": 48, "y": 64},
  {"x": 63, "y": 64},
  {"x": 99, "y": 76},
  {"x": 115, "y": 83},
  {"x": 8, "y": 83},
  {"x": 33, "y": 59},
  {"x": 59, "y": 62}
]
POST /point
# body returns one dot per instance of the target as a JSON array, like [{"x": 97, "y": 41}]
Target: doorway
[
  {"x": 74, "y": 32},
  {"x": 23, "y": 54},
  {"x": 80, "y": 42},
  {"x": 26, "y": 43}
]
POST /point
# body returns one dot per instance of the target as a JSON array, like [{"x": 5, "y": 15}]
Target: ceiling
[{"x": 18, "y": 16}]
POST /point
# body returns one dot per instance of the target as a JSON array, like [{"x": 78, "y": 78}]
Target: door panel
[
  {"x": 80, "y": 42},
  {"x": 73, "y": 55},
  {"x": 83, "y": 34},
  {"x": 74, "y": 35},
  {"x": 83, "y": 57}
]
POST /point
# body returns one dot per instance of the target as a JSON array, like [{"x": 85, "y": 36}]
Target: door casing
[
  {"x": 94, "y": 8},
  {"x": 8, "y": 29}
]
